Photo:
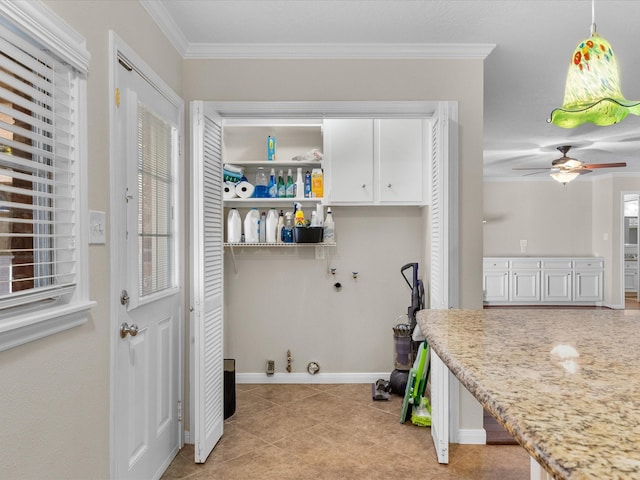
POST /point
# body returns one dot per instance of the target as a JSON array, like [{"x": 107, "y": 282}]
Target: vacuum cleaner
[{"x": 406, "y": 349}]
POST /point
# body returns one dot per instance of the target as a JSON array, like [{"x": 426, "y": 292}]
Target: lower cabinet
[{"x": 544, "y": 281}]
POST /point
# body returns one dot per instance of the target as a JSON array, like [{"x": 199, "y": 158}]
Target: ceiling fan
[{"x": 565, "y": 169}]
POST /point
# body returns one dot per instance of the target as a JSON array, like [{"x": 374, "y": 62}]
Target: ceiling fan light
[
  {"x": 592, "y": 91},
  {"x": 564, "y": 177},
  {"x": 572, "y": 163}
]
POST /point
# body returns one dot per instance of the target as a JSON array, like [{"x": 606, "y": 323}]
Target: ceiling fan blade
[
  {"x": 605, "y": 165},
  {"x": 531, "y": 168}
]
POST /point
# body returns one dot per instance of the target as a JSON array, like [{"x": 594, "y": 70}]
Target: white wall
[
  {"x": 554, "y": 219},
  {"x": 54, "y": 407},
  {"x": 284, "y": 298}
]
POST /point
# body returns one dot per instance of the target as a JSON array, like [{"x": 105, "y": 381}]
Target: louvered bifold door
[{"x": 207, "y": 267}]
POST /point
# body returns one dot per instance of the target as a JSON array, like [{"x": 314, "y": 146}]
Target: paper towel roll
[
  {"x": 229, "y": 190},
  {"x": 244, "y": 190}
]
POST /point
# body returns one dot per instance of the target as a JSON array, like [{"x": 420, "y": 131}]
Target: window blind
[{"x": 37, "y": 173}]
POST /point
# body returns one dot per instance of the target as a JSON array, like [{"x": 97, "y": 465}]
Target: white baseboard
[
  {"x": 472, "y": 436},
  {"x": 310, "y": 379}
]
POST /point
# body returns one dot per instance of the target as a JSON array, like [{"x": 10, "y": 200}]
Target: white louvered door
[
  {"x": 444, "y": 281},
  {"x": 207, "y": 279}
]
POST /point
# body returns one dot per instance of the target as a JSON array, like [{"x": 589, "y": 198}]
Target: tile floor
[{"x": 334, "y": 432}]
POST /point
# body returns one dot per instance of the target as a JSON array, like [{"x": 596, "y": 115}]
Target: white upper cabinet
[
  {"x": 400, "y": 160},
  {"x": 375, "y": 161},
  {"x": 348, "y": 145}
]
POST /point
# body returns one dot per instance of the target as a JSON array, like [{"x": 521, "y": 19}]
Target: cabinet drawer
[
  {"x": 525, "y": 264},
  {"x": 631, "y": 265},
  {"x": 495, "y": 264},
  {"x": 588, "y": 263},
  {"x": 556, "y": 264}
]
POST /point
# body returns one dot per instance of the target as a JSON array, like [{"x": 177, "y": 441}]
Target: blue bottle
[
  {"x": 271, "y": 148},
  {"x": 307, "y": 185},
  {"x": 273, "y": 185}
]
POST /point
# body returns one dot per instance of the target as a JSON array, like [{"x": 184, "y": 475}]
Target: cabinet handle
[
  {"x": 364, "y": 185},
  {"x": 389, "y": 186}
]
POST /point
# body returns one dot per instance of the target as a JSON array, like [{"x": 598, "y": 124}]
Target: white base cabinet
[{"x": 543, "y": 281}]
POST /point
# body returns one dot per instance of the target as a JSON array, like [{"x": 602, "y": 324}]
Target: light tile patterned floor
[{"x": 335, "y": 432}]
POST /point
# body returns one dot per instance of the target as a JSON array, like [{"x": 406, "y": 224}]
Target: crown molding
[
  {"x": 168, "y": 26},
  {"x": 459, "y": 51}
]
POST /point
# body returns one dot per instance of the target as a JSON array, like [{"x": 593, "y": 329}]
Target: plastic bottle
[
  {"x": 287, "y": 230},
  {"x": 234, "y": 226},
  {"x": 280, "y": 227},
  {"x": 282, "y": 190},
  {"x": 271, "y": 148},
  {"x": 290, "y": 192},
  {"x": 263, "y": 228},
  {"x": 320, "y": 215},
  {"x": 273, "y": 184},
  {"x": 307, "y": 184},
  {"x": 251, "y": 226},
  {"x": 329, "y": 234},
  {"x": 262, "y": 184},
  {"x": 271, "y": 226},
  {"x": 317, "y": 183},
  {"x": 299, "y": 185},
  {"x": 299, "y": 220},
  {"x": 314, "y": 219}
]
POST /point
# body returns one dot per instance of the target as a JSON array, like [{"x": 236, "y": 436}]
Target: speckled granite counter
[{"x": 564, "y": 383}]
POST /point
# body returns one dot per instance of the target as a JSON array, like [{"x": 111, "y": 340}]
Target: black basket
[{"x": 307, "y": 234}]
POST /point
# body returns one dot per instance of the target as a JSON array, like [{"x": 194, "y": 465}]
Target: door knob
[{"x": 125, "y": 330}]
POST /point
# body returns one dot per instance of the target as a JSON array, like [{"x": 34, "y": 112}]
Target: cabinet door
[
  {"x": 587, "y": 286},
  {"x": 525, "y": 286},
  {"x": 349, "y": 149},
  {"x": 400, "y": 160},
  {"x": 556, "y": 286},
  {"x": 495, "y": 285},
  {"x": 630, "y": 280}
]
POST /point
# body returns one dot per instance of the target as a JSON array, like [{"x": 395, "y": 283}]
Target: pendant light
[
  {"x": 564, "y": 177},
  {"x": 592, "y": 92}
]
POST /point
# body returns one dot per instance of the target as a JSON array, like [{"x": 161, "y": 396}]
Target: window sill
[{"x": 31, "y": 326}]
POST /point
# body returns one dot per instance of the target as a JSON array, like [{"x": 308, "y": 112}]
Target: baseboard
[
  {"x": 472, "y": 436},
  {"x": 303, "y": 378}
]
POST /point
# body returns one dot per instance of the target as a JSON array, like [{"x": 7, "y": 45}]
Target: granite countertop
[{"x": 564, "y": 383}]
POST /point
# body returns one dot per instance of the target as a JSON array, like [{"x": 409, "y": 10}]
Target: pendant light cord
[{"x": 593, "y": 17}]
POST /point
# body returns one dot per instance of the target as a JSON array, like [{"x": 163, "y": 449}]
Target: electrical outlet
[{"x": 271, "y": 367}]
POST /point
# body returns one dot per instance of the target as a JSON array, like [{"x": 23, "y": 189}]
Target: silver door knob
[{"x": 125, "y": 330}]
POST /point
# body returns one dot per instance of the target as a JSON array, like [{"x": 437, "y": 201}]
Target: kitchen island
[{"x": 564, "y": 383}]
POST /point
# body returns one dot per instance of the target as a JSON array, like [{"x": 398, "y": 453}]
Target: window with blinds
[
  {"x": 37, "y": 173},
  {"x": 156, "y": 142}
]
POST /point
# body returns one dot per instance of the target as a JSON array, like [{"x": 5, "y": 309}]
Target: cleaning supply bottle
[
  {"x": 261, "y": 189},
  {"x": 287, "y": 231},
  {"x": 329, "y": 234},
  {"x": 320, "y": 214},
  {"x": 280, "y": 227},
  {"x": 307, "y": 184},
  {"x": 273, "y": 184},
  {"x": 272, "y": 225},
  {"x": 234, "y": 226},
  {"x": 282, "y": 189},
  {"x": 299, "y": 185},
  {"x": 251, "y": 226},
  {"x": 263, "y": 228},
  {"x": 317, "y": 183},
  {"x": 290, "y": 188},
  {"x": 299, "y": 219},
  {"x": 271, "y": 148}
]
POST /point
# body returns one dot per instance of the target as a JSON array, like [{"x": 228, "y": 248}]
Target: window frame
[{"x": 26, "y": 323}]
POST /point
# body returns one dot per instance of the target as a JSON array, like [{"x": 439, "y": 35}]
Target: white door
[
  {"x": 207, "y": 279},
  {"x": 147, "y": 340}
]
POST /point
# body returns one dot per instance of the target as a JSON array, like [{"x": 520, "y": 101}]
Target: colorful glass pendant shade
[{"x": 592, "y": 92}]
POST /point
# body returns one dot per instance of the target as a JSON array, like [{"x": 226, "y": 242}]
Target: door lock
[
  {"x": 125, "y": 330},
  {"x": 124, "y": 298}
]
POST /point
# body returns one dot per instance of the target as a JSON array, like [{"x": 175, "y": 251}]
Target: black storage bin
[
  {"x": 229, "y": 387},
  {"x": 307, "y": 234}
]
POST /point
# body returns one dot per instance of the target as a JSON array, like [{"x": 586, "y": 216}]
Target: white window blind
[
  {"x": 38, "y": 136},
  {"x": 156, "y": 141}
]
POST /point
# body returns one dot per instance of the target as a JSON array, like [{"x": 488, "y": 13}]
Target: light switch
[{"x": 97, "y": 227}]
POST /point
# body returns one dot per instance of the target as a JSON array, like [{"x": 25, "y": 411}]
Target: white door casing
[
  {"x": 146, "y": 426},
  {"x": 207, "y": 279}
]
